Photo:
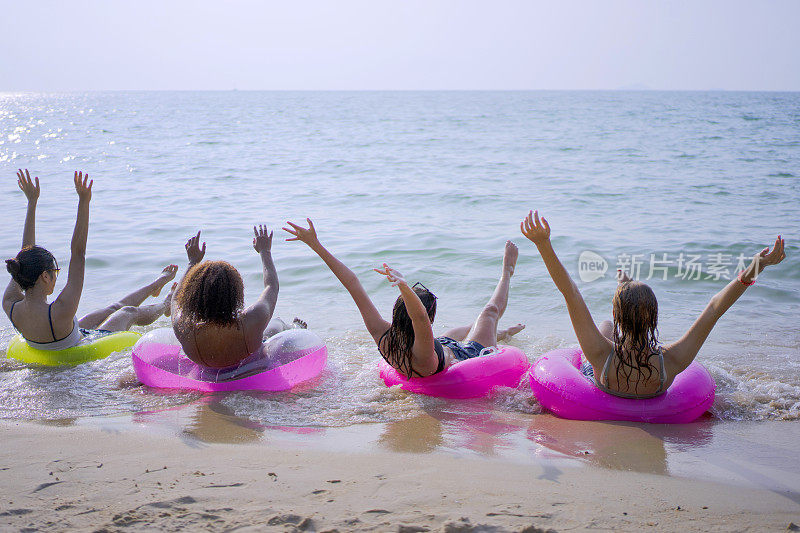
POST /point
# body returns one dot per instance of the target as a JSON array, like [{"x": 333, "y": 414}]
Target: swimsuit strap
[
  {"x": 50, "y": 318},
  {"x": 439, "y": 349},
  {"x": 605, "y": 368},
  {"x": 662, "y": 371},
  {"x": 244, "y": 337},
  {"x": 11, "y": 313}
]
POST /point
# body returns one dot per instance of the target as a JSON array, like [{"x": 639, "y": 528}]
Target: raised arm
[
  {"x": 261, "y": 311},
  {"x": 681, "y": 353},
  {"x": 375, "y": 324},
  {"x": 31, "y": 190},
  {"x": 423, "y": 332},
  {"x": 194, "y": 254},
  {"x": 13, "y": 292},
  {"x": 594, "y": 345},
  {"x": 67, "y": 302}
]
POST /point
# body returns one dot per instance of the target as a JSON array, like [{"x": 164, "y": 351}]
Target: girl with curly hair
[{"x": 208, "y": 314}]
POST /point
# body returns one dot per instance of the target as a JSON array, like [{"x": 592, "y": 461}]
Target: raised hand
[
  {"x": 306, "y": 235},
  {"x": 394, "y": 277},
  {"x": 193, "y": 250},
  {"x": 262, "y": 242},
  {"x": 83, "y": 186},
  {"x": 30, "y": 188},
  {"x": 536, "y": 230},
  {"x": 766, "y": 257}
]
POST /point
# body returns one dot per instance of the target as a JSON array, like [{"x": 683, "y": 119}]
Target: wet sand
[{"x": 216, "y": 474}]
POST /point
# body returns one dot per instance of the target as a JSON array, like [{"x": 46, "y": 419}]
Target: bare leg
[
  {"x": 460, "y": 333},
  {"x": 276, "y": 325},
  {"x": 484, "y": 330},
  {"x": 124, "y": 318},
  {"x": 134, "y": 299},
  {"x": 509, "y": 332}
]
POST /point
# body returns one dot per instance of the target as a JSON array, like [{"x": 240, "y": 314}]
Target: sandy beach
[
  {"x": 202, "y": 168},
  {"x": 84, "y": 478}
]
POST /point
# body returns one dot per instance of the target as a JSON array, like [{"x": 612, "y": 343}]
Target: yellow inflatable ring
[{"x": 89, "y": 351}]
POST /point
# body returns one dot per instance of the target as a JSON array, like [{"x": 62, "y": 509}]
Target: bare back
[
  {"x": 216, "y": 346},
  {"x": 34, "y": 321},
  {"x": 640, "y": 382}
]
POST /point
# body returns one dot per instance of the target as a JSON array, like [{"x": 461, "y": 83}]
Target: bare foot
[
  {"x": 167, "y": 275},
  {"x": 510, "y": 257},
  {"x": 510, "y": 332},
  {"x": 168, "y": 300},
  {"x": 299, "y": 324},
  {"x": 513, "y": 330}
]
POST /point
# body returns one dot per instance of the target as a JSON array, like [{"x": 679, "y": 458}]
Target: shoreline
[{"x": 76, "y": 477}]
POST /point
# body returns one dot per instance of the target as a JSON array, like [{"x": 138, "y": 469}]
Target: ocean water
[{"x": 432, "y": 183}]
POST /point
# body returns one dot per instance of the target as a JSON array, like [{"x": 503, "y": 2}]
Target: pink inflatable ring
[
  {"x": 560, "y": 387},
  {"x": 472, "y": 378},
  {"x": 283, "y": 361}
]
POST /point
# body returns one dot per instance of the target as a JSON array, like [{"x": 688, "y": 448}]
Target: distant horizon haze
[{"x": 413, "y": 45}]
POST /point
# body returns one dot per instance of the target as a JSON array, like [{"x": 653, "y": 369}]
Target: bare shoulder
[
  {"x": 8, "y": 303},
  {"x": 253, "y": 322},
  {"x": 674, "y": 359},
  {"x": 598, "y": 352},
  {"x": 180, "y": 326},
  {"x": 378, "y": 331}
]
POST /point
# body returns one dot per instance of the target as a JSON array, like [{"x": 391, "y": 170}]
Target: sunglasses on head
[{"x": 426, "y": 289}]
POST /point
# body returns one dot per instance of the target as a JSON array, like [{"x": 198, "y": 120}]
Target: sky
[{"x": 58, "y": 45}]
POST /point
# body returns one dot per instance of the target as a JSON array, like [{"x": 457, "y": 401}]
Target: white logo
[{"x": 591, "y": 266}]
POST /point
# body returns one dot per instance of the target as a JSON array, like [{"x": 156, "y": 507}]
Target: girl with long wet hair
[
  {"x": 407, "y": 342},
  {"x": 54, "y": 326},
  {"x": 625, "y": 353}
]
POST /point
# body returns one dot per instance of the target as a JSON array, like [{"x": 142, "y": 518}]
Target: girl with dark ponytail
[
  {"x": 33, "y": 278},
  {"x": 30, "y": 263}
]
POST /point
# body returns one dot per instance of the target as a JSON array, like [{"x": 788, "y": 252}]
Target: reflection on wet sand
[
  {"x": 471, "y": 428},
  {"x": 213, "y": 422},
  {"x": 59, "y": 422},
  {"x": 610, "y": 445},
  {"x": 625, "y": 446},
  {"x": 755, "y": 454},
  {"x": 421, "y": 434},
  {"x": 209, "y": 420},
  {"x": 206, "y": 420}
]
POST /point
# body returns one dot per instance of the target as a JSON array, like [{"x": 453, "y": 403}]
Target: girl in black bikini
[
  {"x": 407, "y": 343},
  {"x": 34, "y": 270}
]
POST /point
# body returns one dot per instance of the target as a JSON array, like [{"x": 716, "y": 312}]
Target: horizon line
[{"x": 631, "y": 90}]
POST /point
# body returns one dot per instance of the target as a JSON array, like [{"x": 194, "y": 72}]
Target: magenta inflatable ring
[
  {"x": 283, "y": 362},
  {"x": 472, "y": 378},
  {"x": 560, "y": 387}
]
